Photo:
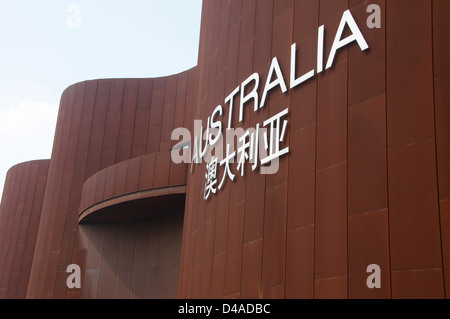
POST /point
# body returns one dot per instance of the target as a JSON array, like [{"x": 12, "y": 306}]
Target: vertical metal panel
[{"x": 413, "y": 199}]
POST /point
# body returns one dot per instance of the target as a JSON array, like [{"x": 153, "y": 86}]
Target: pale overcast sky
[{"x": 47, "y": 45}]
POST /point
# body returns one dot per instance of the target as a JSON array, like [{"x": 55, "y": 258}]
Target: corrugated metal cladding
[{"x": 366, "y": 180}]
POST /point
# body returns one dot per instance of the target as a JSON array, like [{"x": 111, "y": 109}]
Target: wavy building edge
[{"x": 366, "y": 181}]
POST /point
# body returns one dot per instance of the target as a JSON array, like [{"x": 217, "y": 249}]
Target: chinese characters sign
[{"x": 265, "y": 144}]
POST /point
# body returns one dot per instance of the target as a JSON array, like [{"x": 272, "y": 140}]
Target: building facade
[{"x": 357, "y": 94}]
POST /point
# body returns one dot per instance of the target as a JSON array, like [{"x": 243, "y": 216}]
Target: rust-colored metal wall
[
  {"x": 441, "y": 85},
  {"x": 137, "y": 259},
  {"x": 102, "y": 123},
  {"x": 366, "y": 180},
  {"x": 20, "y": 212}
]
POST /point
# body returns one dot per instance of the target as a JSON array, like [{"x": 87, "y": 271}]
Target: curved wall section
[
  {"x": 133, "y": 178},
  {"x": 20, "y": 212},
  {"x": 136, "y": 206},
  {"x": 102, "y": 123}
]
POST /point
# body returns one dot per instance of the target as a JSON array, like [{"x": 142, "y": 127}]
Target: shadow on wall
[{"x": 133, "y": 259}]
